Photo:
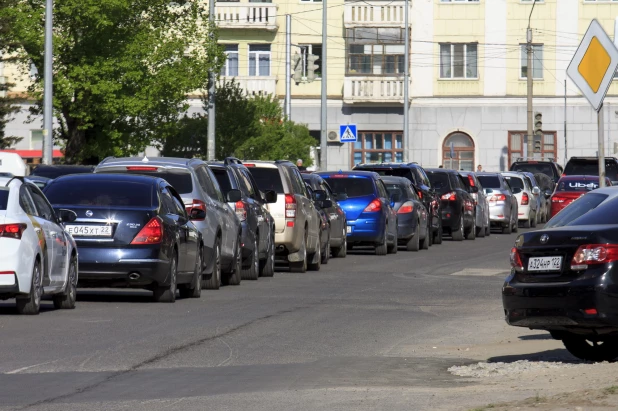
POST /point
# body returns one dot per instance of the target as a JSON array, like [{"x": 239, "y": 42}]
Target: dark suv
[
  {"x": 258, "y": 226},
  {"x": 426, "y": 193},
  {"x": 548, "y": 167},
  {"x": 458, "y": 212},
  {"x": 589, "y": 166}
]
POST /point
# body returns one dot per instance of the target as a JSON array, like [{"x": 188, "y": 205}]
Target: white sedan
[{"x": 37, "y": 255}]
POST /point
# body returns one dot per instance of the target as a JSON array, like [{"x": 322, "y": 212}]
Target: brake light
[
  {"x": 406, "y": 208},
  {"x": 141, "y": 168},
  {"x": 374, "y": 206},
  {"x": 199, "y": 204},
  {"x": 516, "y": 260},
  {"x": 290, "y": 206},
  {"x": 12, "y": 230},
  {"x": 452, "y": 196},
  {"x": 525, "y": 199},
  {"x": 339, "y": 176},
  {"x": 248, "y": 165},
  {"x": 591, "y": 254},
  {"x": 420, "y": 194},
  {"x": 241, "y": 211},
  {"x": 152, "y": 233},
  {"x": 496, "y": 198}
]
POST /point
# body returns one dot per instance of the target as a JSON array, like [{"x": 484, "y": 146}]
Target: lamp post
[
  {"x": 48, "y": 89},
  {"x": 530, "y": 146}
]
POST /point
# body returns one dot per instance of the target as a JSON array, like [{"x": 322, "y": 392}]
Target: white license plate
[
  {"x": 544, "y": 263},
  {"x": 348, "y": 229},
  {"x": 90, "y": 230}
]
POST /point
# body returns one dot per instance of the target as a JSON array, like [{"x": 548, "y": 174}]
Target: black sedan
[
  {"x": 565, "y": 280},
  {"x": 413, "y": 223},
  {"x": 131, "y": 231}
]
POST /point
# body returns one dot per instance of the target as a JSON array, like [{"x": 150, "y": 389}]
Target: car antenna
[{"x": 145, "y": 159}]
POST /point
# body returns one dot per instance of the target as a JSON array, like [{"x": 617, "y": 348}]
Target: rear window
[
  {"x": 515, "y": 182},
  {"x": 57, "y": 172},
  {"x": 535, "y": 168},
  {"x": 181, "y": 181},
  {"x": 577, "y": 185},
  {"x": 353, "y": 187},
  {"x": 223, "y": 179},
  {"x": 267, "y": 179},
  {"x": 4, "y": 198},
  {"x": 489, "y": 181},
  {"x": 604, "y": 213},
  {"x": 578, "y": 208},
  {"x": 396, "y": 190},
  {"x": 100, "y": 193},
  {"x": 398, "y": 172},
  {"x": 591, "y": 168},
  {"x": 439, "y": 181}
]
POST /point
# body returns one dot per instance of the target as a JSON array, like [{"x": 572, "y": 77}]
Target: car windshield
[
  {"x": 4, "y": 198},
  {"x": 591, "y": 168},
  {"x": 489, "y": 181},
  {"x": 223, "y": 179},
  {"x": 396, "y": 190},
  {"x": 535, "y": 168},
  {"x": 100, "y": 193},
  {"x": 439, "y": 181},
  {"x": 180, "y": 180},
  {"x": 267, "y": 179},
  {"x": 577, "y": 185},
  {"x": 515, "y": 182},
  {"x": 576, "y": 209},
  {"x": 353, "y": 187},
  {"x": 603, "y": 214}
]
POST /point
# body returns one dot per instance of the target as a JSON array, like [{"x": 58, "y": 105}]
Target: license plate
[
  {"x": 90, "y": 230},
  {"x": 544, "y": 263},
  {"x": 348, "y": 229}
]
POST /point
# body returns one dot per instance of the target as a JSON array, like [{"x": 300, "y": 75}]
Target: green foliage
[
  {"x": 7, "y": 108},
  {"x": 187, "y": 138},
  {"x": 122, "y": 68}
]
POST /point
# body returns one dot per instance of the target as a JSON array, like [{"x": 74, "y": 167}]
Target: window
[
  {"x": 463, "y": 152},
  {"x": 459, "y": 1},
  {"x": 25, "y": 201},
  {"x": 544, "y": 146},
  {"x": 36, "y": 139},
  {"x": 259, "y": 59},
  {"x": 378, "y": 147},
  {"x": 104, "y": 193},
  {"x": 376, "y": 51},
  {"x": 311, "y": 1},
  {"x": 312, "y": 49},
  {"x": 230, "y": 68},
  {"x": 167, "y": 202},
  {"x": 44, "y": 210},
  {"x": 537, "y": 61},
  {"x": 459, "y": 60}
]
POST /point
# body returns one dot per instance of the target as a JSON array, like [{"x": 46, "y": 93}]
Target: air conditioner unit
[{"x": 333, "y": 136}]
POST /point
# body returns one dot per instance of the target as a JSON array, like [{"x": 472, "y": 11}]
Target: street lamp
[
  {"x": 530, "y": 145},
  {"x": 48, "y": 89}
]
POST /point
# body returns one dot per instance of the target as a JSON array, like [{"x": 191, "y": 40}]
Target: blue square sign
[{"x": 347, "y": 133}]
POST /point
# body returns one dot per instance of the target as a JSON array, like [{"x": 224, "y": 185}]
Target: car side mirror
[
  {"x": 319, "y": 195},
  {"x": 270, "y": 196},
  {"x": 516, "y": 190},
  {"x": 547, "y": 193},
  {"x": 341, "y": 196},
  {"x": 536, "y": 191},
  {"x": 234, "y": 196},
  {"x": 66, "y": 216},
  {"x": 325, "y": 203},
  {"x": 474, "y": 189},
  {"x": 197, "y": 214}
]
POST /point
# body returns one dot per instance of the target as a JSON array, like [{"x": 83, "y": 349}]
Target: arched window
[{"x": 462, "y": 152}]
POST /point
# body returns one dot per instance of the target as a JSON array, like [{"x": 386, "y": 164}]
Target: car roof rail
[{"x": 231, "y": 160}]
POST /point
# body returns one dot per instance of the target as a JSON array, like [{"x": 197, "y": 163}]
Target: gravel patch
[{"x": 492, "y": 369}]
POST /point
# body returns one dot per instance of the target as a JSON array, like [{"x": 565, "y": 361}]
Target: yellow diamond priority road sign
[{"x": 594, "y": 64}]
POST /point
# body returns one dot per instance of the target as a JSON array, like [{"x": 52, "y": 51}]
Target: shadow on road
[
  {"x": 121, "y": 296},
  {"x": 556, "y": 355},
  {"x": 536, "y": 337}
]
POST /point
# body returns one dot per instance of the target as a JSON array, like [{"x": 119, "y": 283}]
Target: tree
[
  {"x": 122, "y": 68},
  {"x": 7, "y": 108},
  {"x": 188, "y": 139}
]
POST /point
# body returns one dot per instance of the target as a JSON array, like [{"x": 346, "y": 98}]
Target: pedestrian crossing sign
[{"x": 347, "y": 133}]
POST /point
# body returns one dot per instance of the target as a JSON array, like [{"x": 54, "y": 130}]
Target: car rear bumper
[
  {"x": 524, "y": 212},
  {"x": 406, "y": 226},
  {"x": 498, "y": 213},
  {"x": 17, "y": 260},
  {"x": 366, "y": 230},
  {"x": 451, "y": 217}
]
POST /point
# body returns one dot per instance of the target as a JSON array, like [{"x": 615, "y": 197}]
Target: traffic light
[
  {"x": 297, "y": 66},
  {"x": 312, "y": 67},
  {"x": 537, "y": 144},
  {"x": 538, "y": 124}
]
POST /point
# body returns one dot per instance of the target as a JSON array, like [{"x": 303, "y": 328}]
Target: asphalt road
[{"x": 363, "y": 333}]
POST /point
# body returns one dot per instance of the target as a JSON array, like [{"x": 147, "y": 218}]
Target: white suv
[{"x": 297, "y": 225}]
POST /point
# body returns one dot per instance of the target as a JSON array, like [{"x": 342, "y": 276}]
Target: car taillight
[
  {"x": 141, "y": 168},
  {"x": 406, "y": 208},
  {"x": 241, "y": 211},
  {"x": 200, "y": 205},
  {"x": 452, "y": 196},
  {"x": 12, "y": 230},
  {"x": 516, "y": 260},
  {"x": 290, "y": 206},
  {"x": 525, "y": 199},
  {"x": 591, "y": 254},
  {"x": 497, "y": 198},
  {"x": 420, "y": 194},
  {"x": 471, "y": 180},
  {"x": 152, "y": 233},
  {"x": 374, "y": 206}
]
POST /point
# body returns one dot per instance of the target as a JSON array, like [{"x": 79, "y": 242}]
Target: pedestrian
[
  {"x": 299, "y": 164},
  {"x": 479, "y": 168}
]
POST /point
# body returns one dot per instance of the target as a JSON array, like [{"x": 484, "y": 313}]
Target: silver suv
[
  {"x": 297, "y": 227},
  {"x": 200, "y": 192}
]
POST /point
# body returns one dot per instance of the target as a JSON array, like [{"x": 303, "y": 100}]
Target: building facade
[{"x": 468, "y": 72}]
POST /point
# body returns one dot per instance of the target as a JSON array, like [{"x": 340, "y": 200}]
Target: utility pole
[
  {"x": 210, "y": 150},
  {"x": 601, "y": 152},
  {"x": 48, "y": 87},
  {"x": 406, "y": 86},
  {"x": 288, "y": 66},
  {"x": 565, "y": 122},
  {"x": 323, "y": 117},
  {"x": 530, "y": 147}
]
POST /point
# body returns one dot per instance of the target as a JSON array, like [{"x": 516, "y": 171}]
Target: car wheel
[
  {"x": 31, "y": 304},
  {"x": 66, "y": 300},
  {"x": 534, "y": 221},
  {"x": 267, "y": 266},
  {"x": 509, "y": 226},
  {"x": 413, "y": 243},
  {"x": 458, "y": 233},
  {"x": 592, "y": 350},
  {"x": 167, "y": 294},
  {"x": 471, "y": 235},
  {"x": 382, "y": 246},
  {"x": 214, "y": 281},
  {"x": 342, "y": 251},
  {"x": 252, "y": 272},
  {"x": 526, "y": 223},
  {"x": 234, "y": 276},
  {"x": 301, "y": 266},
  {"x": 326, "y": 250},
  {"x": 317, "y": 256},
  {"x": 437, "y": 236},
  {"x": 194, "y": 290},
  {"x": 488, "y": 226}
]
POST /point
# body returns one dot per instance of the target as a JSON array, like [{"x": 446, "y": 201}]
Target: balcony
[
  {"x": 375, "y": 14},
  {"x": 373, "y": 90},
  {"x": 246, "y": 16},
  {"x": 255, "y": 85}
]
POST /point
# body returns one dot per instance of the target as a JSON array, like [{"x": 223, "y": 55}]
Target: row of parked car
[{"x": 176, "y": 226}]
